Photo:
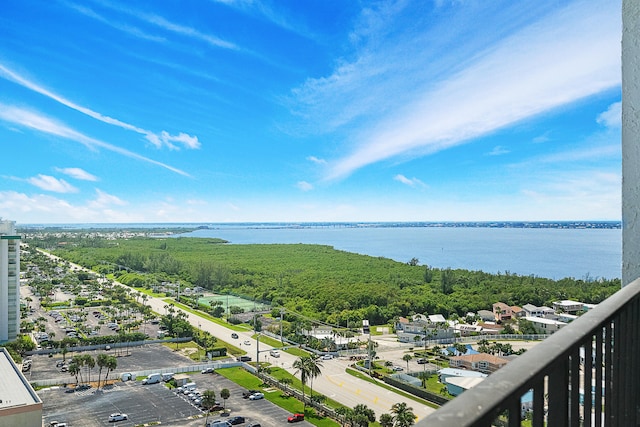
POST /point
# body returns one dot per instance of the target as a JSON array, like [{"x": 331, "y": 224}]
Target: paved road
[{"x": 334, "y": 382}]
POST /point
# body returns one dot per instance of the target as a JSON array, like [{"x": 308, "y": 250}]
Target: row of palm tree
[{"x": 103, "y": 361}]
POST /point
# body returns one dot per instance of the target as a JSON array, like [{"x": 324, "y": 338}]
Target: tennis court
[{"x": 234, "y": 301}]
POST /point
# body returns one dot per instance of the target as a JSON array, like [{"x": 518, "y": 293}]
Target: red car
[{"x": 295, "y": 418}]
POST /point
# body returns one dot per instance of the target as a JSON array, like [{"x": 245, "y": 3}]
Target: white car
[
  {"x": 327, "y": 357},
  {"x": 256, "y": 396},
  {"x": 117, "y": 417},
  {"x": 247, "y": 342}
]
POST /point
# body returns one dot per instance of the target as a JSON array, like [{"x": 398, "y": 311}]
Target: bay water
[{"x": 554, "y": 253}]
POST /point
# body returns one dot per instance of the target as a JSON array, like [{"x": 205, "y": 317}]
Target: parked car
[
  {"x": 208, "y": 371},
  {"x": 236, "y": 420},
  {"x": 247, "y": 393},
  {"x": 218, "y": 423},
  {"x": 256, "y": 396},
  {"x": 295, "y": 418},
  {"x": 117, "y": 417},
  {"x": 254, "y": 424},
  {"x": 422, "y": 361}
]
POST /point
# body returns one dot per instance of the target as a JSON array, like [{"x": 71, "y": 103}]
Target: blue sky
[{"x": 248, "y": 110}]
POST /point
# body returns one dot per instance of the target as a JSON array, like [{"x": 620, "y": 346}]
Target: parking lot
[{"x": 146, "y": 404}]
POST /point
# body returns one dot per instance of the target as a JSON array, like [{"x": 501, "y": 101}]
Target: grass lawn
[
  {"x": 278, "y": 344},
  {"x": 276, "y": 396}
]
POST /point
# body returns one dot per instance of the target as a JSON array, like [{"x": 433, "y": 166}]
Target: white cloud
[
  {"x": 304, "y": 186},
  {"x": 32, "y": 120},
  {"x": 411, "y": 182},
  {"x": 104, "y": 200},
  {"x": 317, "y": 160},
  {"x": 545, "y": 137},
  {"x": 498, "y": 150},
  {"x": 77, "y": 173},
  {"x": 566, "y": 55},
  {"x": 49, "y": 183},
  {"x": 611, "y": 118},
  {"x": 158, "y": 140}
]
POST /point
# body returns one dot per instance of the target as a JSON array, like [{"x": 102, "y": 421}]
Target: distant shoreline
[{"x": 294, "y": 225}]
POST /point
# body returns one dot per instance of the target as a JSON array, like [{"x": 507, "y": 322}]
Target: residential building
[
  {"x": 502, "y": 312},
  {"x": 466, "y": 330},
  {"x": 486, "y": 315},
  {"x": 517, "y": 311},
  {"x": 533, "y": 311},
  {"x": 419, "y": 330},
  {"x": 481, "y": 362},
  {"x": 456, "y": 385},
  {"x": 445, "y": 373},
  {"x": 19, "y": 403},
  {"x": 568, "y": 306},
  {"x": 9, "y": 281},
  {"x": 544, "y": 325}
]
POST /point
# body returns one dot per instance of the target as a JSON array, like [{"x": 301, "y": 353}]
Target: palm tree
[
  {"x": 111, "y": 365},
  {"x": 403, "y": 415},
  {"x": 406, "y": 358},
  {"x": 314, "y": 363},
  {"x": 225, "y": 394},
  {"x": 343, "y": 414},
  {"x": 301, "y": 367},
  {"x": 74, "y": 370},
  {"x": 208, "y": 402},
  {"x": 90, "y": 363},
  {"x": 79, "y": 362},
  {"x": 365, "y": 414},
  {"x": 101, "y": 361},
  {"x": 386, "y": 420}
]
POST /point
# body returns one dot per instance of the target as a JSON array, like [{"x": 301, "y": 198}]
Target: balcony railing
[{"x": 586, "y": 374}]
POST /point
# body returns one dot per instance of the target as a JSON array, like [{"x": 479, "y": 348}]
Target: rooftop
[{"x": 15, "y": 391}]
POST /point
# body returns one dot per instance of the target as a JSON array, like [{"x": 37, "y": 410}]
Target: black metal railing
[{"x": 586, "y": 374}]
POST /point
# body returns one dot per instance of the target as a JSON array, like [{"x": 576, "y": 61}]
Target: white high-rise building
[{"x": 9, "y": 281}]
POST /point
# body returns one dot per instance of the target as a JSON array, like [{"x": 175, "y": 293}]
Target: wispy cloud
[
  {"x": 411, "y": 182},
  {"x": 126, "y": 28},
  {"x": 304, "y": 186},
  {"x": 545, "y": 137},
  {"x": 263, "y": 10},
  {"x": 49, "y": 183},
  {"x": 317, "y": 160},
  {"x": 32, "y": 120},
  {"x": 158, "y": 140},
  {"x": 566, "y": 55},
  {"x": 611, "y": 118},
  {"x": 498, "y": 150},
  {"x": 167, "y": 25},
  {"x": 77, "y": 173},
  {"x": 103, "y": 200}
]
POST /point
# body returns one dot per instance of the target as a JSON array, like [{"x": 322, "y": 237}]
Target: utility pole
[{"x": 281, "y": 337}]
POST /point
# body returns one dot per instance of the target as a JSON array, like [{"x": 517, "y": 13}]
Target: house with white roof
[
  {"x": 568, "y": 306},
  {"x": 544, "y": 325}
]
